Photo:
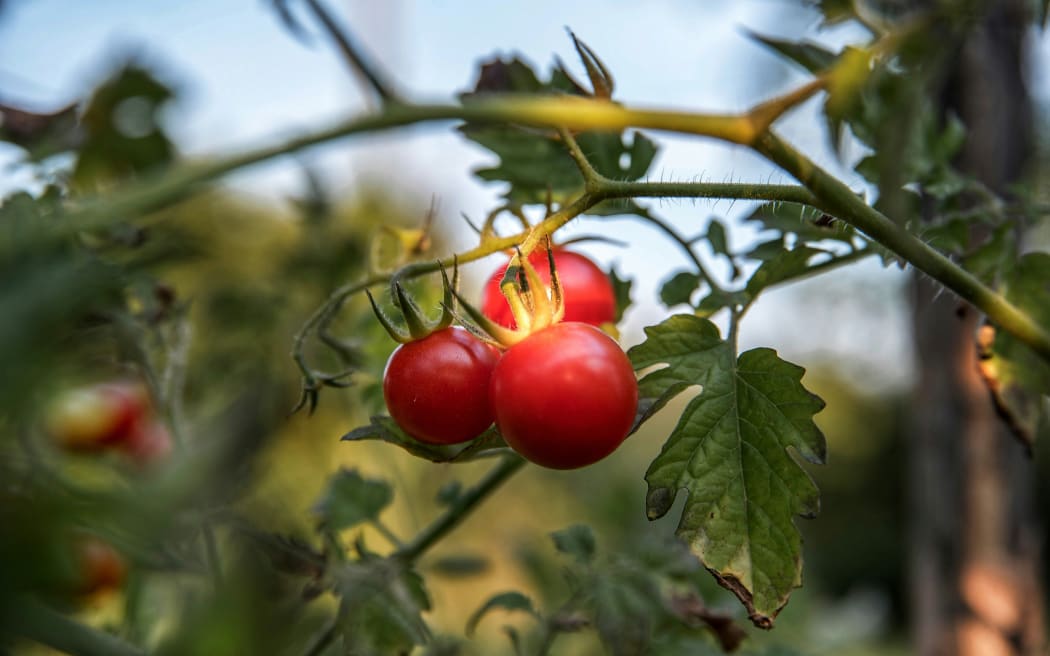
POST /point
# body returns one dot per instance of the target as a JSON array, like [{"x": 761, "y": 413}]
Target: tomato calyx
[
  {"x": 416, "y": 325},
  {"x": 533, "y": 304}
]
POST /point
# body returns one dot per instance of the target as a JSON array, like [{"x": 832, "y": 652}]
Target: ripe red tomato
[
  {"x": 588, "y": 294},
  {"x": 565, "y": 397},
  {"x": 437, "y": 388},
  {"x": 99, "y": 416},
  {"x": 99, "y": 567},
  {"x": 148, "y": 444}
]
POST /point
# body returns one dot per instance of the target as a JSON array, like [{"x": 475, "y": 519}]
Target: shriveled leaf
[
  {"x": 576, "y": 541},
  {"x": 601, "y": 79},
  {"x": 811, "y": 56},
  {"x": 679, "y": 289},
  {"x": 351, "y": 499},
  {"x": 509, "y": 601},
  {"x": 383, "y": 428},
  {"x": 729, "y": 451},
  {"x": 1018, "y": 379}
]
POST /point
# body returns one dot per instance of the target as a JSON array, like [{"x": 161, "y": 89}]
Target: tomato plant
[
  {"x": 564, "y": 397},
  {"x": 589, "y": 296},
  {"x": 436, "y": 388}
]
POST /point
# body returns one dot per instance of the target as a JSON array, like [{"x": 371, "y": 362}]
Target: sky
[{"x": 243, "y": 81}]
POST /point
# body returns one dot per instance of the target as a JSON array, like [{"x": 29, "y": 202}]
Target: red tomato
[
  {"x": 148, "y": 444},
  {"x": 565, "y": 397},
  {"x": 437, "y": 388},
  {"x": 96, "y": 417},
  {"x": 588, "y": 294},
  {"x": 99, "y": 567}
]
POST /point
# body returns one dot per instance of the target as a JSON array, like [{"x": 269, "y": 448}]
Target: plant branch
[
  {"x": 734, "y": 190},
  {"x": 687, "y": 248},
  {"x": 47, "y": 627},
  {"x": 358, "y": 62},
  {"x": 840, "y": 201},
  {"x": 458, "y": 511}
]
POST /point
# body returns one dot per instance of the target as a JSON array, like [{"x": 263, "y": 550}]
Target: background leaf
[
  {"x": 351, "y": 499},
  {"x": 511, "y": 601},
  {"x": 1018, "y": 379},
  {"x": 729, "y": 451}
]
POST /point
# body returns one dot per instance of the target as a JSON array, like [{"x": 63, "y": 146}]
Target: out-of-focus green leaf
[
  {"x": 383, "y": 428},
  {"x": 1018, "y": 378},
  {"x": 679, "y": 288},
  {"x": 509, "y": 601},
  {"x": 351, "y": 499},
  {"x": 576, "y": 541},
  {"x": 380, "y": 608},
  {"x": 785, "y": 266},
  {"x": 622, "y": 294},
  {"x": 123, "y": 134},
  {"x": 716, "y": 237},
  {"x": 994, "y": 256},
  {"x": 729, "y": 451},
  {"x": 835, "y": 11}
]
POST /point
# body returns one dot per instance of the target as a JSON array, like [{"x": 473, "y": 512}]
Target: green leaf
[
  {"x": 784, "y": 266},
  {"x": 716, "y": 237},
  {"x": 576, "y": 541},
  {"x": 534, "y": 162},
  {"x": 1018, "y": 379},
  {"x": 621, "y": 292},
  {"x": 123, "y": 132},
  {"x": 729, "y": 451},
  {"x": 679, "y": 289},
  {"x": 380, "y": 610},
  {"x": 995, "y": 255},
  {"x": 509, "y": 601},
  {"x": 385, "y": 429},
  {"x": 811, "y": 56},
  {"x": 351, "y": 499}
]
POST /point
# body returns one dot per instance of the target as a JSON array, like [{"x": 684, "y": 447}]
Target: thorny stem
[
  {"x": 577, "y": 113},
  {"x": 843, "y": 203},
  {"x": 687, "y": 248},
  {"x": 459, "y": 509}
]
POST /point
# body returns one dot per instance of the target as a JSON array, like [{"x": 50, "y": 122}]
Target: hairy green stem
[
  {"x": 47, "y": 627},
  {"x": 458, "y": 511},
  {"x": 840, "y": 201}
]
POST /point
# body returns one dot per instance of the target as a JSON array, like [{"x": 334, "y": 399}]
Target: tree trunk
[{"x": 976, "y": 543}]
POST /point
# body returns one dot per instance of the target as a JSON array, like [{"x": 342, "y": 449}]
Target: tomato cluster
[
  {"x": 563, "y": 397},
  {"x": 112, "y": 415}
]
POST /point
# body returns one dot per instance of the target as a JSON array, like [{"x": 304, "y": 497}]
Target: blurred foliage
[{"x": 266, "y": 533}]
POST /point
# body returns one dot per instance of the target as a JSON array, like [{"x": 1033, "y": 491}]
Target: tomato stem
[{"x": 460, "y": 509}]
